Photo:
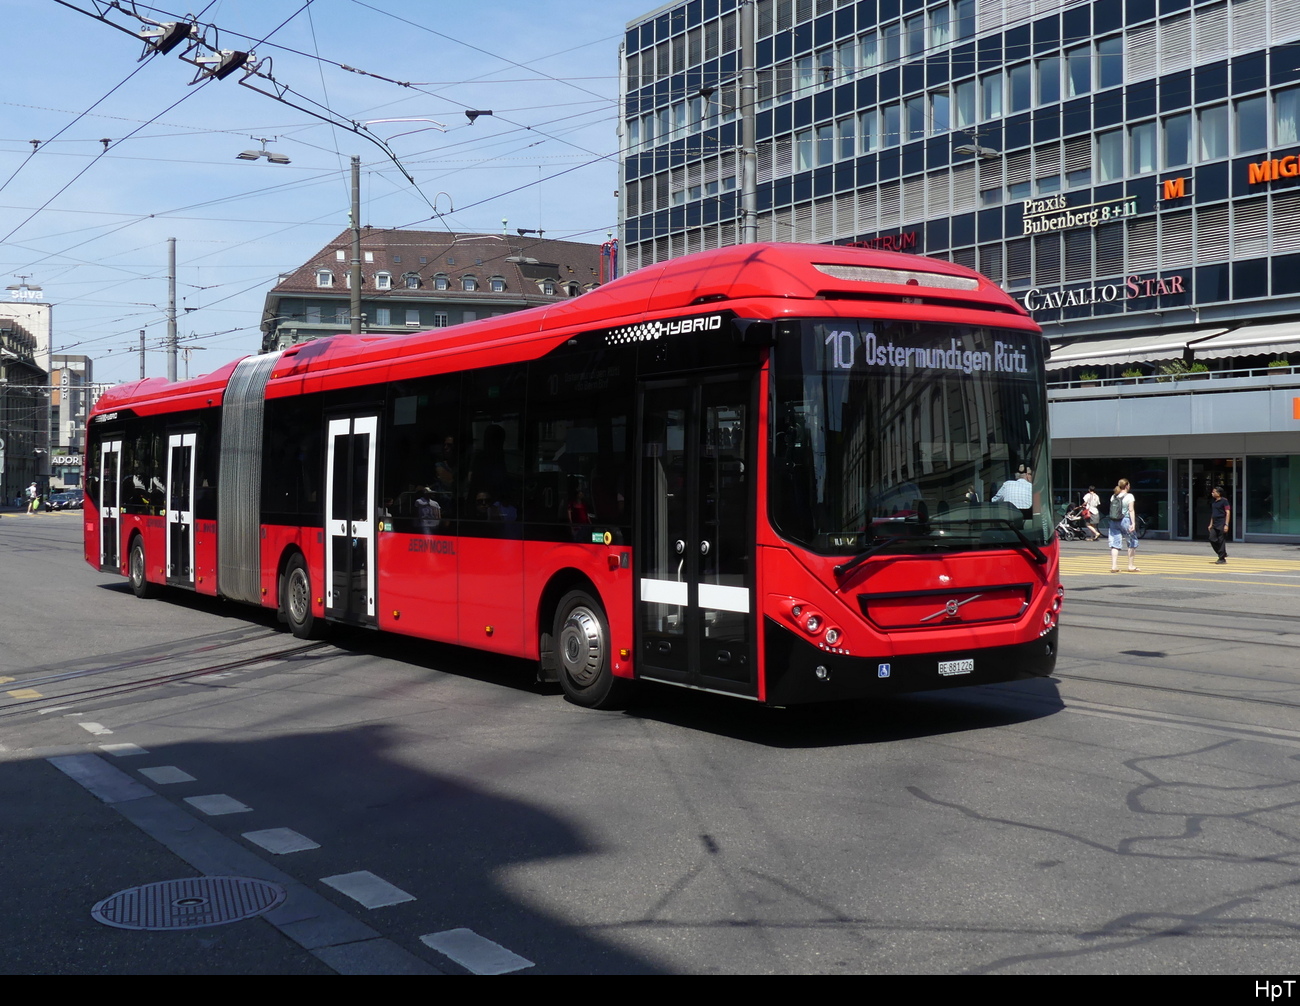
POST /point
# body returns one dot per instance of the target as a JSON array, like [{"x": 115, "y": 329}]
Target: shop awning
[
  {"x": 1145, "y": 348},
  {"x": 1252, "y": 340}
]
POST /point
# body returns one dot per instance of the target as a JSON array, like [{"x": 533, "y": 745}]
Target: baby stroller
[{"x": 1073, "y": 524}]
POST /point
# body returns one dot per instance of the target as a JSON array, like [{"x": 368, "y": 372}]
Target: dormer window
[
  {"x": 497, "y": 284},
  {"x": 468, "y": 283},
  {"x": 440, "y": 281},
  {"x": 548, "y": 287},
  {"x": 412, "y": 281},
  {"x": 383, "y": 281},
  {"x": 324, "y": 277}
]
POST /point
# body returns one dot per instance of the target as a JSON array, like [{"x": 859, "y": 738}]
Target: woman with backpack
[{"x": 1123, "y": 526}]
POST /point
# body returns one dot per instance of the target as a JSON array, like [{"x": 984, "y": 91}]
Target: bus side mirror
[{"x": 752, "y": 333}]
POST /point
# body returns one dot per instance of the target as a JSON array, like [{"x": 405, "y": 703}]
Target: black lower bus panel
[{"x": 799, "y": 672}]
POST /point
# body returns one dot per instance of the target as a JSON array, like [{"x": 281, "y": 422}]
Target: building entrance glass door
[{"x": 1196, "y": 477}]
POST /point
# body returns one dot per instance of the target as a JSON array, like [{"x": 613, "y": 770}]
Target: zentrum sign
[
  {"x": 1133, "y": 288},
  {"x": 888, "y": 242}
]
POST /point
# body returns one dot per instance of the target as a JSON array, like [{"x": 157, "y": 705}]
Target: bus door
[
  {"x": 695, "y": 577},
  {"x": 350, "y": 523},
  {"x": 110, "y": 464},
  {"x": 180, "y": 509}
]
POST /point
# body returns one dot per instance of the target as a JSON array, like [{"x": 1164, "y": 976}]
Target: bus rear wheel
[
  {"x": 582, "y": 653},
  {"x": 136, "y": 571},
  {"x": 295, "y": 600}
]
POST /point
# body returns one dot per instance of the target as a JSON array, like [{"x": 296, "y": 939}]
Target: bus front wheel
[
  {"x": 136, "y": 571},
  {"x": 582, "y": 653},
  {"x": 295, "y": 600}
]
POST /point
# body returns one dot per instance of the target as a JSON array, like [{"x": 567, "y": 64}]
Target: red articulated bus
[{"x": 790, "y": 473}]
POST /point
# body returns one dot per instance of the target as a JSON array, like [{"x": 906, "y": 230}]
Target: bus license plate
[{"x": 947, "y": 668}]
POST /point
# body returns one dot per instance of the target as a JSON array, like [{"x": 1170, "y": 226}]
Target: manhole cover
[{"x": 188, "y": 904}]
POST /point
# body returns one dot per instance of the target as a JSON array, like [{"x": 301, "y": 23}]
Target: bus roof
[{"x": 758, "y": 280}]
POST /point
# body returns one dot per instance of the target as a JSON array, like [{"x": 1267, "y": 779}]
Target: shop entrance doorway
[{"x": 1195, "y": 478}]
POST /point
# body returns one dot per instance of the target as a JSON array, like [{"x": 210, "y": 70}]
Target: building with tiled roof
[{"x": 417, "y": 280}]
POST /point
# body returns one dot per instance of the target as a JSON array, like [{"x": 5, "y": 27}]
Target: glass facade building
[{"x": 1129, "y": 170}]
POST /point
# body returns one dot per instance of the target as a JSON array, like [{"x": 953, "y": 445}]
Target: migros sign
[{"x": 1271, "y": 169}]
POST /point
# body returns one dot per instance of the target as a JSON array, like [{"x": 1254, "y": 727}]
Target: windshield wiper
[{"x": 868, "y": 552}]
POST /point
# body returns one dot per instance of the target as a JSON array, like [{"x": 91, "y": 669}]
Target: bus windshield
[{"x": 921, "y": 436}]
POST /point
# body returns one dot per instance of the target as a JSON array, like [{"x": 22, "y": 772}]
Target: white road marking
[
  {"x": 164, "y": 775},
  {"x": 368, "y": 889},
  {"x": 281, "y": 841},
  {"x": 55, "y": 709},
  {"x": 98, "y": 729},
  {"x": 216, "y": 804},
  {"x": 475, "y": 953},
  {"x": 123, "y": 750}
]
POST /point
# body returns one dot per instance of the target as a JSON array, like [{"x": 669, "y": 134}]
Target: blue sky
[{"x": 90, "y": 225}]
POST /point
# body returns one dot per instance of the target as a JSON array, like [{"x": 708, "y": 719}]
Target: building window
[
  {"x": 846, "y": 140},
  {"x": 915, "y": 112},
  {"x": 870, "y": 129},
  {"x": 1110, "y": 62},
  {"x": 825, "y": 143},
  {"x": 965, "y": 19},
  {"x": 1110, "y": 155},
  {"x": 633, "y": 134},
  {"x": 383, "y": 316},
  {"x": 497, "y": 284},
  {"x": 940, "y": 112},
  {"x": 412, "y": 281},
  {"x": 468, "y": 283},
  {"x": 313, "y": 314},
  {"x": 439, "y": 319},
  {"x": 826, "y": 68},
  {"x": 1286, "y": 116},
  {"x": 940, "y": 27},
  {"x": 1213, "y": 123},
  {"x": 914, "y": 30},
  {"x": 548, "y": 288},
  {"x": 1049, "y": 80},
  {"x": 1078, "y": 71},
  {"x": 470, "y": 316},
  {"x": 324, "y": 277},
  {"x": 1142, "y": 148},
  {"x": 1019, "y": 89},
  {"x": 383, "y": 281},
  {"x": 339, "y": 256},
  {"x": 890, "y": 39},
  {"x": 342, "y": 316},
  {"x": 370, "y": 256},
  {"x": 803, "y": 150},
  {"x": 413, "y": 317},
  {"x": 1252, "y": 123},
  {"x": 964, "y": 100},
  {"x": 1177, "y": 140},
  {"x": 891, "y": 131},
  {"x": 846, "y": 58},
  {"x": 397, "y": 260},
  {"x": 803, "y": 75},
  {"x": 440, "y": 281},
  {"x": 870, "y": 51},
  {"x": 991, "y": 91}
]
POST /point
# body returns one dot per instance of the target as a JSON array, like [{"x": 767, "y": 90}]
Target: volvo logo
[{"x": 951, "y": 608}]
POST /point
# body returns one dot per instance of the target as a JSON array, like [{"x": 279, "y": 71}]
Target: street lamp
[{"x": 252, "y": 155}]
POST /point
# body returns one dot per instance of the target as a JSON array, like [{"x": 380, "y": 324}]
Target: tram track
[
  {"x": 1196, "y": 692},
  {"x": 21, "y": 705}
]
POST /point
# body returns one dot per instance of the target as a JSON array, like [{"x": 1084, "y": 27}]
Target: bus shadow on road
[{"x": 865, "y": 721}]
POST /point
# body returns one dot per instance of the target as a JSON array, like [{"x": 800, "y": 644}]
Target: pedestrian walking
[
  {"x": 1220, "y": 523},
  {"x": 1092, "y": 504},
  {"x": 1123, "y": 526},
  {"x": 33, "y": 498}
]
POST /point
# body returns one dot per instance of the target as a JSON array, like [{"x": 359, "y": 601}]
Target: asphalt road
[{"x": 1135, "y": 814}]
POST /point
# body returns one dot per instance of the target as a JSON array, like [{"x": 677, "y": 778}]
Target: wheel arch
[
  {"x": 286, "y": 556},
  {"x": 560, "y": 583}
]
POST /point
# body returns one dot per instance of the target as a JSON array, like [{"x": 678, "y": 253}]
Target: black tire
[
  {"x": 582, "y": 653},
  {"x": 295, "y": 600},
  {"x": 136, "y": 570}
]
